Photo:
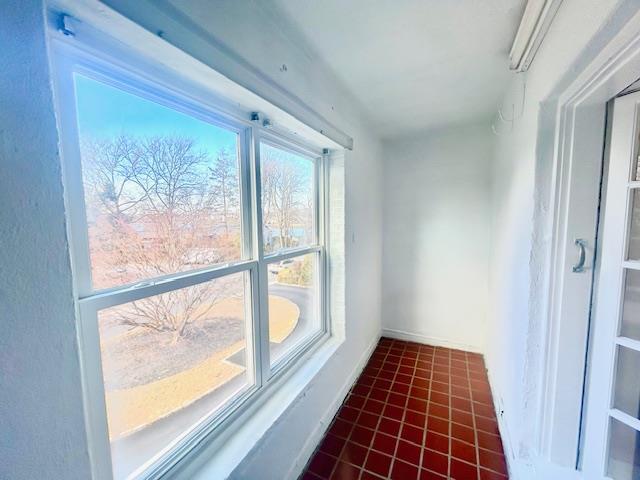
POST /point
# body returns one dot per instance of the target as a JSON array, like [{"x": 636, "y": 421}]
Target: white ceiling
[{"x": 413, "y": 64}]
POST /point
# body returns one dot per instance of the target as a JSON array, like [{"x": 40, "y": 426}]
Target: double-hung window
[{"x": 198, "y": 247}]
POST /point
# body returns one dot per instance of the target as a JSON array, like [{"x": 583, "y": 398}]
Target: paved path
[
  {"x": 143, "y": 444},
  {"x": 303, "y": 298}
]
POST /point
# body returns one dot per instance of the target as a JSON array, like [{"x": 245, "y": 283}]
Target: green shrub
[{"x": 299, "y": 273}]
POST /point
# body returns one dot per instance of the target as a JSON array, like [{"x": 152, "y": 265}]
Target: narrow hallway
[
  {"x": 416, "y": 412},
  {"x": 320, "y": 240}
]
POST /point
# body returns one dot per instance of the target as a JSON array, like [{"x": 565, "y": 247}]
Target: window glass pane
[
  {"x": 161, "y": 187},
  {"x": 626, "y": 396},
  {"x": 624, "y": 452},
  {"x": 635, "y": 170},
  {"x": 633, "y": 252},
  {"x": 288, "y": 199},
  {"x": 170, "y": 360},
  {"x": 630, "y": 325},
  {"x": 293, "y": 303}
]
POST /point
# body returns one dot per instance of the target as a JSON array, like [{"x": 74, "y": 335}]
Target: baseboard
[
  {"x": 314, "y": 439},
  {"x": 419, "y": 338},
  {"x": 517, "y": 470},
  {"x": 525, "y": 468}
]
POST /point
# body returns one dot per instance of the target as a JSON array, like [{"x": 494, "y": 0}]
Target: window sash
[
  {"x": 119, "y": 296},
  {"x": 129, "y": 83},
  {"x": 318, "y": 173},
  {"x": 318, "y": 258},
  {"x": 254, "y": 261}
]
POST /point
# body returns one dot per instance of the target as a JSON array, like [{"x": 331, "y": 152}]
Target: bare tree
[
  {"x": 110, "y": 175},
  {"x": 153, "y": 192},
  {"x": 267, "y": 173},
  {"x": 225, "y": 188},
  {"x": 172, "y": 311},
  {"x": 285, "y": 194}
]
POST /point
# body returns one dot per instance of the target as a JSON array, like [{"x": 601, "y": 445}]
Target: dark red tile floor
[{"x": 417, "y": 412}]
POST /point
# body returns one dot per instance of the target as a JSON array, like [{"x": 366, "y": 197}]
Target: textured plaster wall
[
  {"x": 41, "y": 414},
  {"x": 41, "y": 417},
  {"x": 436, "y": 235}
]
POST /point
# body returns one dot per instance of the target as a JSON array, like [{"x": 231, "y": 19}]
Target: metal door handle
[{"x": 580, "y": 243}]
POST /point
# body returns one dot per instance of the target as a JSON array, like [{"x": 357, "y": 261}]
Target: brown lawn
[{"x": 130, "y": 409}]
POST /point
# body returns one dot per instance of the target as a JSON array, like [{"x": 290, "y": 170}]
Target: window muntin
[
  {"x": 161, "y": 188},
  {"x": 140, "y": 459},
  {"x": 288, "y": 192}
]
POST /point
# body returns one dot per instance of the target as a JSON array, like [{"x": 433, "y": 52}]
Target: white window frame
[
  {"x": 154, "y": 82},
  {"x": 318, "y": 249}
]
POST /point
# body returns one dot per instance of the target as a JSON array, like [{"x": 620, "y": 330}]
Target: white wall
[
  {"x": 41, "y": 415},
  {"x": 40, "y": 395},
  {"x": 520, "y": 217},
  {"x": 436, "y": 236}
]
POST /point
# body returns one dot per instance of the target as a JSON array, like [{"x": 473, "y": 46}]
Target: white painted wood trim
[
  {"x": 314, "y": 439},
  {"x": 574, "y": 135},
  {"x": 427, "y": 340},
  {"x": 182, "y": 41},
  {"x": 515, "y": 468},
  {"x": 534, "y": 25}
]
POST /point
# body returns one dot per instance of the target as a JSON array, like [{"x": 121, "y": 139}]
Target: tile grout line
[
  {"x": 448, "y": 454},
  {"x": 381, "y": 415},
  {"x": 426, "y": 422},
  {"x": 375, "y": 431},
  {"x": 388, "y": 372},
  {"x": 355, "y": 423},
  {"x": 450, "y": 418},
  {"x": 404, "y": 414},
  {"x": 473, "y": 419},
  {"x": 450, "y": 421}
]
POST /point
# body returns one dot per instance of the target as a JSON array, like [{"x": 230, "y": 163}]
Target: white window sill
[{"x": 221, "y": 455}]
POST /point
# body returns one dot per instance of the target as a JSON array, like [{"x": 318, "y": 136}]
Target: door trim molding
[{"x": 569, "y": 156}]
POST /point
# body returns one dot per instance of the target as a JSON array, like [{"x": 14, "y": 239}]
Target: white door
[{"x": 612, "y": 414}]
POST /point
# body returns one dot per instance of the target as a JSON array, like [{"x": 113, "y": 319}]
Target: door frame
[{"x": 569, "y": 163}]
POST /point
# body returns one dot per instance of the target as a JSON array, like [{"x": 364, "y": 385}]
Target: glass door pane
[
  {"x": 623, "y": 462},
  {"x": 626, "y": 395},
  {"x": 633, "y": 248},
  {"x": 630, "y": 322}
]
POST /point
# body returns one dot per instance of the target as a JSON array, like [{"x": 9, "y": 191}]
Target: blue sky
[{"x": 104, "y": 111}]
